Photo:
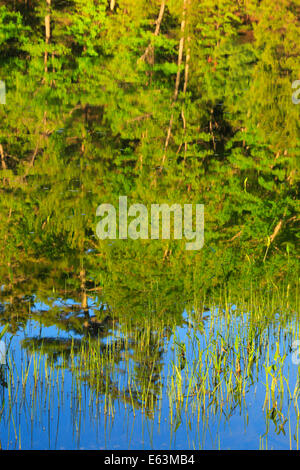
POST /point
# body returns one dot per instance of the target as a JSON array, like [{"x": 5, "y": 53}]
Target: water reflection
[{"x": 220, "y": 376}]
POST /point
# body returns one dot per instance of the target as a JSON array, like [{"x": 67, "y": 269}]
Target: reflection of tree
[
  {"x": 104, "y": 364},
  {"x": 93, "y": 124},
  {"x": 72, "y": 140}
]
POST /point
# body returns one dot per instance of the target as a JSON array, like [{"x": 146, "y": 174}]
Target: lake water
[{"x": 219, "y": 378}]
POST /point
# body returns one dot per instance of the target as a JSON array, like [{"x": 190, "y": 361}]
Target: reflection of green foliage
[
  {"x": 106, "y": 107},
  {"x": 220, "y": 353},
  {"x": 93, "y": 126}
]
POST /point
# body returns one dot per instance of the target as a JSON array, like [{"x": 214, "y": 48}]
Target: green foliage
[{"x": 88, "y": 116}]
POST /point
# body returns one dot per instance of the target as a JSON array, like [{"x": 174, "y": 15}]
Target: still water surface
[{"x": 221, "y": 379}]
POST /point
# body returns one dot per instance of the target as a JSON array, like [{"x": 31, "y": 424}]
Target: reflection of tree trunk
[
  {"x": 83, "y": 291},
  {"x": 149, "y": 52},
  {"x": 180, "y": 52},
  {"x": 276, "y": 230},
  {"x": 187, "y": 65},
  {"x": 2, "y": 158},
  {"x": 177, "y": 82},
  {"x": 186, "y": 76},
  {"x": 47, "y": 33}
]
